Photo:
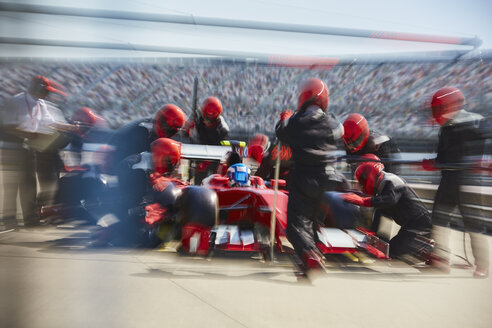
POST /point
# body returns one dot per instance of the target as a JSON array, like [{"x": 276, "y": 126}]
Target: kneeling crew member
[{"x": 394, "y": 199}]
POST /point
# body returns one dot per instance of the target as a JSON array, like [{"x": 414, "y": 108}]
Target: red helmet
[
  {"x": 313, "y": 92},
  {"x": 84, "y": 115},
  {"x": 367, "y": 174},
  {"x": 356, "y": 132},
  {"x": 166, "y": 154},
  {"x": 256, "y": 152},
  {"x": 211, "y": 109},
  {"x": 446, "y": 102},
  {"x": 373, "y": 159},
  {"x": 87, "y": 119},
  {"x": 259, "y": 139},
  {"x": 168, "y": 120},
  {"x": 257, "y": 146},
  {"x": 41, "y": 86}
]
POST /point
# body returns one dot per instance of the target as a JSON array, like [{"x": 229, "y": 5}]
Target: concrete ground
[{"x": 49, "y": 277}]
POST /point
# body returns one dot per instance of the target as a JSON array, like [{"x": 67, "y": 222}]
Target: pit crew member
[
  {"x": 265, "y": 153},
  {"x": 359, "y": 140},
  {"x": 207, "y": 128},
  {"x": 311, "y": 134},
  {"x": 394, "y": 199},
  {"x": 462, "y": 134},
  {"x": 136, "y": 137}
]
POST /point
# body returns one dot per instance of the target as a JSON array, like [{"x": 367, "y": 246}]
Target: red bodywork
[
  {"x": 241, "y": 208},
  {"x": 195, "y": 238},
  {"x": 246, "y": 207},
  {"x": 250, "y": 204}
]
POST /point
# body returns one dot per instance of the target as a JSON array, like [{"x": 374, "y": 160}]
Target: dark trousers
[
  {"x": 21, "y": 169},
  {"x": 404, "y": 242},
  {"x": 448, "y": 197},
  {"x": 307, "y": 187},
  {"x": 48, "y": 167},
  {"x": 18, "y": 177}
]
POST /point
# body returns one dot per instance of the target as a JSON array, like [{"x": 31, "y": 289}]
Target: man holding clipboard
[{"x": 29, "y": 144}]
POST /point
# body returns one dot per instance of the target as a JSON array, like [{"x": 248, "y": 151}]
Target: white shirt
[{"x": 28, "y": 114}]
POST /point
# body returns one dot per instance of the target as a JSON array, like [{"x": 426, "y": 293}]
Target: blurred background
[
  {"x": 125, "y": 59},
  {"x": 381, "y": 59}
]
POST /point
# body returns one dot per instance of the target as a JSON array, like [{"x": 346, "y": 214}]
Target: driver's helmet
[{"x": 239, "y": 175}]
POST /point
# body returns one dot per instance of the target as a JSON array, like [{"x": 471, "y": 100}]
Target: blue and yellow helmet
[{"x": 239, "y": 175}]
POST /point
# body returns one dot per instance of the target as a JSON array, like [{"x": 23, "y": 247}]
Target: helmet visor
[
  {"x": 354, "y": 144},
  {"x": 167, "y": 130},
  {"x": 209, "y": 120}
]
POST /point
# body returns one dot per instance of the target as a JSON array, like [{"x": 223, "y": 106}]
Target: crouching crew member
[
  {"x": 142, "y": 179},
  {"x": 393, "y": 198}
]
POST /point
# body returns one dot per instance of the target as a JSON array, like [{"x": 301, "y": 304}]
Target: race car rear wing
[
  {"x": 204, "y": 152},
  {"x": 188, "y": 151}
]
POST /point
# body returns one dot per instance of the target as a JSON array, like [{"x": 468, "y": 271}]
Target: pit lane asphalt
[{"x": 49, "y": 277}]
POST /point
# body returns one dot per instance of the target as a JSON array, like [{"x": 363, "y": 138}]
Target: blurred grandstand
[{"x": 392, "y": 95}]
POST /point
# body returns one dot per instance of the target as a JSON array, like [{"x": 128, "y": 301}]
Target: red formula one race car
[{"x": 244, "y": 222}]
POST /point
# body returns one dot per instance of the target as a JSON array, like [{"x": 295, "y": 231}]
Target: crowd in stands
[{"x": 391, "y": 95}]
